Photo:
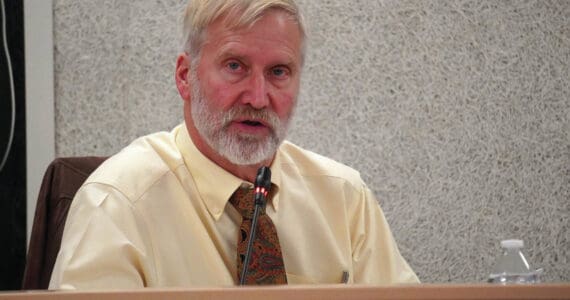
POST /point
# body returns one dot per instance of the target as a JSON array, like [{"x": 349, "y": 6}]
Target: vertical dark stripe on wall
[{"x": 12, "y": 139}]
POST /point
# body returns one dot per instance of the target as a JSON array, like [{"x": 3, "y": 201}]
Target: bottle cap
[{"x": 510, "y": 244}]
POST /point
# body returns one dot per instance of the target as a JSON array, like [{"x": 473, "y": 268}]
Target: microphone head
[{"x": 263, "y": 178}]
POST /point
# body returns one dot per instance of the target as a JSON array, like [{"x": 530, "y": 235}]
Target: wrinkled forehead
[{"x": 234, "y": 22}]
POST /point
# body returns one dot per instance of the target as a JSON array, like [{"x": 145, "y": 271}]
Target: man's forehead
[{"x": 275, "y": 31}]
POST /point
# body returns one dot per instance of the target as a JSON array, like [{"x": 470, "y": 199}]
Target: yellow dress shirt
[{"x": 155, "y": 215}]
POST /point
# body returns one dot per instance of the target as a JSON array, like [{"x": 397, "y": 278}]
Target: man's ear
[{"x": 182, "y": 76}]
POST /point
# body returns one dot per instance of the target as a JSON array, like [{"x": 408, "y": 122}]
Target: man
[{"x": 162, "y": 212}]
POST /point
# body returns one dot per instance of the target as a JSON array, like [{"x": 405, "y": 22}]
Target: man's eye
[
  {"x": 279, "y": 72},
  {"x": 234, "y": 65}
]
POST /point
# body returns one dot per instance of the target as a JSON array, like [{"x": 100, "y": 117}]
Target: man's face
[{"x": 244, "y": 89}]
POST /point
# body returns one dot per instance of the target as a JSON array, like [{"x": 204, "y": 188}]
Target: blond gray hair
[{"x": 237, "y": 13}]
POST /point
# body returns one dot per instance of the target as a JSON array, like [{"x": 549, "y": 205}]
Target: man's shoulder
[
  {"x": 139, "y": 165},
  {"x": 311, "y": 164}
]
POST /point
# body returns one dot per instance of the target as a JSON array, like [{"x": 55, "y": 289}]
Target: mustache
[{"x": 247, "y": 112}]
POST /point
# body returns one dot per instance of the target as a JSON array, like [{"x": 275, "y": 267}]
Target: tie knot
[{"x": 243, "y": 201}]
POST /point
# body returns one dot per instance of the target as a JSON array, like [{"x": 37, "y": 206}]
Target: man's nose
[{"x": 257, "y": 94}]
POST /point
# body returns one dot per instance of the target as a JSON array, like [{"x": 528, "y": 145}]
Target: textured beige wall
[{"x": 455, "y": 112}]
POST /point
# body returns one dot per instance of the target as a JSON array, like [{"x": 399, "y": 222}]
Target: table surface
[{"x": 328, "y": 292}]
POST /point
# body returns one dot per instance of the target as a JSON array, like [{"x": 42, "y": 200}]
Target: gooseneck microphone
[{"x": 262, "y": 186}]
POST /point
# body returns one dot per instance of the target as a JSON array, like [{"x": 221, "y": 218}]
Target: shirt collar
[{"x": 214, "y": 184}]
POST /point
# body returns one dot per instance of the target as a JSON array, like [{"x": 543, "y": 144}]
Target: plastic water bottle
[{"x": 512, "y": 267}]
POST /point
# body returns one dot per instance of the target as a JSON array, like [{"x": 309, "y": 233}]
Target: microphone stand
[{"x": 262, "y": 185}]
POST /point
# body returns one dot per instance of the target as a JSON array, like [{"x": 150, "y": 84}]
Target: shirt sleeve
[
  {"x": 104, "y": 244},
  {"x": 376, "y": 258}
]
